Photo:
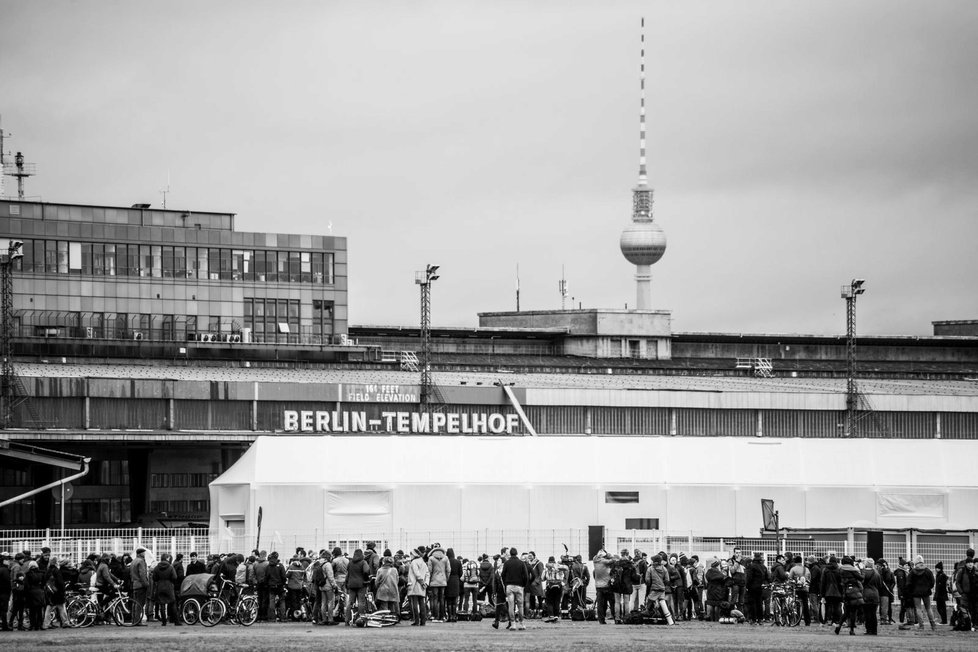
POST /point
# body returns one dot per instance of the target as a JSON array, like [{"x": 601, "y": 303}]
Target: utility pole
[
  {"x": 424, "y": 279},
  {"x": 849, "y": 293}
]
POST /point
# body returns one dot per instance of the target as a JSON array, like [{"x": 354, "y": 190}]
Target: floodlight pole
[
  {"x": 424, "y": 279},
  {"x": 7, "y": 381},
  {"x": 849, "y": 293}
]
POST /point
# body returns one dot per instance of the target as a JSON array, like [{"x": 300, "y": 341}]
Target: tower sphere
[{"x": 643, "y": 243}]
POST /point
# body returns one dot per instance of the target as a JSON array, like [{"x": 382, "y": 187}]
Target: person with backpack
[
  {"x": 486, "y": 569},
  {"x": 920, "y": 584},
  {"x": 624, "y": 584},
  {"x": 801, "y": 576},
  {"x": 966, "y": 584},
  {"x": 656, "y": 581},
  {"x": 906, "y": 602},
  {"x": 851, "y": 579},
  {"x": 717, "y": 591},
  {"x": 887, "y": 593},
  {"x": 940, "y": 591},
  {"x": 641, "y": 565},
  {"x": 554, "y": 580},
  {"x": 872, "y": 589},
  {"x": 578, "y": 578},
  {"x": 418, "y": 578},
  {"x": 470, "y": 585}
]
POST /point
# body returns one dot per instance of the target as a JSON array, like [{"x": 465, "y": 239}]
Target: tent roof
[{"x": 609, "y": 461}]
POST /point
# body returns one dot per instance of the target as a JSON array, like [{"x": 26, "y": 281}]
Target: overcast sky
[{"x": 792, "y": 145}]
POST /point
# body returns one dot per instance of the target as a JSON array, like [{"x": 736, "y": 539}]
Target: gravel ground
[{"x": 480, "y": 636}]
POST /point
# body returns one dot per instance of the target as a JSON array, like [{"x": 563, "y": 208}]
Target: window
[
  {"x": 145, "y": 260},
  {"x": 237, "y": 264},
  {"x": 202, "y": 263},
  {"x": 51, "y": 256},
  {"x": 156, "y": 257},
  {"x": 74, "y": 258},
  {"x": 180, "y": 262},
  {"x": 109, "y": 262},
  {"x": 62, "y": 257},
  {"x": 225, "y": 255},
  {"x": 621, "y": 496},
  {"x": 641, "y": 524},
  {"x": 306, "y": 267},
  {"x": 168, "y": 263},
  {"x": 214, "y": 264},
  {"x": 114, "y": 472}
]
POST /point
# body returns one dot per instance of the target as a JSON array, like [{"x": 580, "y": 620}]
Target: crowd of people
[{"x": 433, "y": 584}]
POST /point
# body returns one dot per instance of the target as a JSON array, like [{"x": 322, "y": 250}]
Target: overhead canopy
[{"x": 735, "y": 461}]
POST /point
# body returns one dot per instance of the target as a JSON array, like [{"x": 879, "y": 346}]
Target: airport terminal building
[{"x": 165, "y": 344}]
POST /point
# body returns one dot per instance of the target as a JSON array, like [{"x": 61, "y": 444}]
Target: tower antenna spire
[{"x": 642, "y": 173}]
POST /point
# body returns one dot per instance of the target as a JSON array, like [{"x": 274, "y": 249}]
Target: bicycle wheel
[
  {"x": 190, "y": 612},
  {"x": 246, "y": 612},
  {"x": 81, "y": 612},
  {"x": 212, "y": 612},
  {"x": 794, "y": 614},
  {"x": 126, "y": 612}
]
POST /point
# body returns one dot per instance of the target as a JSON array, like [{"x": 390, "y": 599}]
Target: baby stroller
[{"x": 196, "y": 591}]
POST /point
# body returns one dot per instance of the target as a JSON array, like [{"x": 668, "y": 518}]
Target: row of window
[
  {"x": 165, "y": 480},
  {"x": 14, "y": 477},
  {"x": 19, "y": 513},
  {"x": 176, "y": 507},
  {"x": 100, "y": 510},
  {"x": 157, "y": 261}
]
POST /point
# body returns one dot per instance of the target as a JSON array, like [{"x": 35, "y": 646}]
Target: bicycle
[
  {"x": 785, "y": 608},
  {"x": 84, "y": 609}
]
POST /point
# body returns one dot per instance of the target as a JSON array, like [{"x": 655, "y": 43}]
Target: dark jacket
[
  {"x": 852, "y": 583},
  {"x": 816, "y": 571},
  {"x": 34, "y": 587},
  {"x": 454, "y": 587},
  {"x": 514, "y": 572},
  {"x": 54, "y": 573},
  {"x": 164, "y": 582},
  {"x": 358, "y": 573},
  {"x": 85, "y": 571},
  {"x": 778, "y": 572},
  {"x": 831, "y": 585},
  {"x": 675, "y": 579},
  {"x": 275, "y": 577},
  {"x": 196, "y": 567},
  {"x": 716, "y": 586},
  {"x": 872, "y": 586},
  {"x": 4, "y": 585},
  {"x": 920, "y": 581},
  {"x": 940, "y": 589},
  {"x": 757, "y": 575},
  {"x": 626, "y": 577},
  {"x": 901, "y": 582}
]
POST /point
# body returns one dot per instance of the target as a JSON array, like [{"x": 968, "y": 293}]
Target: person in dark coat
[
  {"x": 920, "y": 583},
  {"x": 756, "y": 576},
  {"x": 453, "y": 590},
  {"x": 165, "y": 582},
  {"x": 873, "y": 588},
  {"x": 56, "y": 600},
  {"x": 196, "y": 566},
  {"x": 716, "y": 590},
  {"x": 357, "y": 583},
  {"x": 940, "y": 591},
  {"x": 852, "y": 593},
  {"x": 888, "y": 592},
  {"x": 4, "y": 592},
  {"x": 34, "y": 592},
  {"x": 831, "y": 591}
]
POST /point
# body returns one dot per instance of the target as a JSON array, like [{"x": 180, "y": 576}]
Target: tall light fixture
[
  {"x": 424, "y": 279},
  {"x": 849, "y": 293},
  {"x": 6, "y": 338}
]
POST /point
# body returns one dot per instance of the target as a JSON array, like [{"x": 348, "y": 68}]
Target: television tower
[{"x": 643, "y": 242}]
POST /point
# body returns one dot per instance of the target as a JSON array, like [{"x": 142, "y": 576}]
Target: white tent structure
[{"x": 348, "y": 484}]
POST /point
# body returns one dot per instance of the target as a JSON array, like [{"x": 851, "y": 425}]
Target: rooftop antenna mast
[
  {"x": 165, "y": 191},
  {"x": 19, "y": 170},
  {"x": 3, "y": 158},
  {"x": 562, "y": 288},
  {"x": 517, "y": 287}
]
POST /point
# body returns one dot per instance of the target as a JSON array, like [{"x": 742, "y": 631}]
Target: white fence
[{"x": 78, "y": 544}]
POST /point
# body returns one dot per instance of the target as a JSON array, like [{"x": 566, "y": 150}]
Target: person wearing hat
[
  {"x": 602, "y": 579},
  {"x": 920, "y": 584},
  {"x": 801, "y": 577},
  {"x": 656, "y": 581},
  {"x": 386, "y": 595},
  {"x": 717, "y": 591},
  {"x": 886, "y": 592},
  {"x": 940, "y": 591},
  {"x": 139, "y": 576},
  {"x": 906, "y": 601},
  {"x": 852, "y": 593},
  {"x": 418, "y": 578}
]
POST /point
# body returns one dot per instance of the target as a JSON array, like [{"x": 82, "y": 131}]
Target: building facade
[{"x": 99, "y": 272}]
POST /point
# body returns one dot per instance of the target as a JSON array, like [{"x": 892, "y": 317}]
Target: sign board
[
  {"x": 69, "y": 490},
  {"x": 400, "y": 422}
]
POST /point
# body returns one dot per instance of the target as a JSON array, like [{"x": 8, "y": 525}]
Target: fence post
[
  {"x": 908, "y": 535},
  {"x": 173, "y": 547},
  {"x": 47, "y": 537},
  {"x": 690, "y": 547},
  {"x": 913, "y": 545},
  {"x": 851, "y": 541}
]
